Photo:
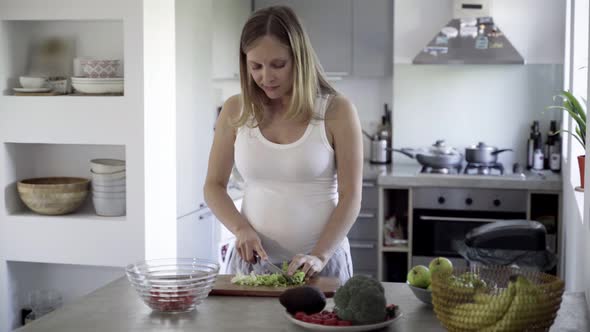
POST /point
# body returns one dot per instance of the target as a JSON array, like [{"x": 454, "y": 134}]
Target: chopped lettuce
[{"x": 272, "y": 280}]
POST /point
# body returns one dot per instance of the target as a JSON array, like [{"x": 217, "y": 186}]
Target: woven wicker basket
[{"x": 496, "y": 298}]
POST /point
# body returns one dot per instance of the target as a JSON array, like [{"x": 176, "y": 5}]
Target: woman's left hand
[{"x": 309, "y": 264}]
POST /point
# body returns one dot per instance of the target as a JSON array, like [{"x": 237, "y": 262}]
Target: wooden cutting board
[{"x": 223, "y": 286}]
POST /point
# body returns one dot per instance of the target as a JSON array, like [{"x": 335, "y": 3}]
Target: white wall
[
  {"x": 369, "y": 96},
  {"x": 195, "y": 111},
  {"x": 195, "y": 120},
  {"x": 160, "y": 128},
  {"x": 576, "y": 212}
]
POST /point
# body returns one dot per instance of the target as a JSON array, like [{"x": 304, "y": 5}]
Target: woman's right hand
[{"x": 248, "y": 243}]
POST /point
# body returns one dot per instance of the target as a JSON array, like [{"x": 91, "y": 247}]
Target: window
[{"x": 576, "y": 75}]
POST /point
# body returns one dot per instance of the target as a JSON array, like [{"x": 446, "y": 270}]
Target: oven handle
[{"x": 435, "y": 218}]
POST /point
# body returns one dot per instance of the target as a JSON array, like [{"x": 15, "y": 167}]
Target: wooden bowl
[{"x": 53, "y": 195}]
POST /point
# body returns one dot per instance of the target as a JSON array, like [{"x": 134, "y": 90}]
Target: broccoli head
[{"x": 361, "y": 300}]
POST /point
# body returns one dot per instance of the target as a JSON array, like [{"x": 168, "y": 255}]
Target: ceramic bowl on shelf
[
  {"x": 110, "y": 195},
  {"x": 89, "y": 85},
  {"x": 108, "y": 188},
  {"x": 107, "y": 165},
  {"x": 100, "y": 178},
  {"x": 173, "y": 285},
  {"x": 29, "y": 82},
  {"x": 61, "y": 86},
  {"x": 109, "y": 207},
  {"x": 109, "y": 183},
  {"x": 99, "y": 68},
  {"x": 53, "y": 195}
]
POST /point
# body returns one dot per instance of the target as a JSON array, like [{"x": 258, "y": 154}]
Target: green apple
[
  {"x": 441, "y": 265},
  {"x": 419, "y": 276}
]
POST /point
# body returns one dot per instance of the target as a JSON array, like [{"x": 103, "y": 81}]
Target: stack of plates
[
  {"x": 109, "y": 193},
  {"x": 98, "y": 85}
]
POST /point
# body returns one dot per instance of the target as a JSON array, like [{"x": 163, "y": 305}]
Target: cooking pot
[
  {"x": 438, "y": 156},
  {"x": 483, "y": 153}
]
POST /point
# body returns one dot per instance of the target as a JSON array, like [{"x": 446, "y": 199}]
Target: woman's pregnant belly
[{"x": 288, "y": 221}]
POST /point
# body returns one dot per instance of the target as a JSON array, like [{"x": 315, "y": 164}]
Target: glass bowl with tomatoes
[{"x": 173, "y": 285}]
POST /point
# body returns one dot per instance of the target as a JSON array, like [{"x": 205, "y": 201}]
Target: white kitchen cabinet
[
  {"x": 329, "y": 25},
  {"x": 198, "y": 235},
  {"x": 229, "y": 17},
  {"x": 372, "y": 40},
  {"x": 350, "y": 37}
]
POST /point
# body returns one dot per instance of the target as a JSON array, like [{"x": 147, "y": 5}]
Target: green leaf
[
  {"x": 576, "y": 105},
  {"x": 576, "y": 111},
  {"x": 575, "y": 136},
  {"x": 581, "y": 135}
]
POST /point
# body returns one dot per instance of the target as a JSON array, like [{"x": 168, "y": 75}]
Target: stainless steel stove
[
  {"x": 484, "y": 169},
  {"x": 470, "y": 169},
  {"x": 432, "y": 170}
]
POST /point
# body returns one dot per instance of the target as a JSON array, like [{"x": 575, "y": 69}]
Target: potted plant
[{"x": 575, "y": 109}]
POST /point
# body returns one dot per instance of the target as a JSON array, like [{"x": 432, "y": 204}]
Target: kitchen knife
[{"x": 273, "y": 268}]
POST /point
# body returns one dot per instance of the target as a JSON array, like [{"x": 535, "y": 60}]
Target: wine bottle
[{"x": 555, "y": 149}]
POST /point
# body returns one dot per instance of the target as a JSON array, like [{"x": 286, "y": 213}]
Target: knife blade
[{"x": 273, "y": 268}]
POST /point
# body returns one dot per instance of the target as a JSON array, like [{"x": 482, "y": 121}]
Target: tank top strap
[{"x": 323, "y": 104}]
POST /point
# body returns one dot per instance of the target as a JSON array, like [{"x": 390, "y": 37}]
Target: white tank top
[{"x": 290, "y": 189}]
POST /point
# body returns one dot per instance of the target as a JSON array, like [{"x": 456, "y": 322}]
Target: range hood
[{"x": 471, "y": 37}]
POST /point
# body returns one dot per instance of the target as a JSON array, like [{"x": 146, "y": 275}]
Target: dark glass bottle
[{"x": 555, "y": 149}]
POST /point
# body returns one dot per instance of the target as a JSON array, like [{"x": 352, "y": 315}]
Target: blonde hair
[{"x": 309, "y": 80}]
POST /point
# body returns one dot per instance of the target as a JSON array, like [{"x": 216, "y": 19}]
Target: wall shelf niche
[{"x": 48, "y": 48}]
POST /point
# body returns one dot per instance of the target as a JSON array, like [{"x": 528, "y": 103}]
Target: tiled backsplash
[{"x": 467, "y": 104}]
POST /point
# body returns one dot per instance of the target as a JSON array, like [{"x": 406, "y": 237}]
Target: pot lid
[
  {"x": 483, "y": 146},
  {"x": 440, "y": 147}
]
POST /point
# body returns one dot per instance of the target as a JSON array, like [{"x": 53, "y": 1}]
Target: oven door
[{"x": 435, "y": 231}]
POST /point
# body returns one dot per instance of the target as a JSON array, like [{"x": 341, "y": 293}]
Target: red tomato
[
  {"x": 331, "y": 321},
  {"x": 316, "y": 321},
  {"x": 344, "y": 323},
  {"x": 299, "y": 315}
]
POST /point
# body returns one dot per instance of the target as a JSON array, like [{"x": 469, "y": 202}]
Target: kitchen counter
[
  {"x": 403, "y": 175},
  {"x": 116, "y": 307}
]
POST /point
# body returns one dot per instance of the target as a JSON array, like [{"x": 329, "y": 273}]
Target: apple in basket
[{"x": 440, "y": 265}]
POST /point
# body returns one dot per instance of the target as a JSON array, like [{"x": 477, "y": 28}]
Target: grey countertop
[
  {"x": 116, "y": 307},
  {"x": 408, "y": 175}
]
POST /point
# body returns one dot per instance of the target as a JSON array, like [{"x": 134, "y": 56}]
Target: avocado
[{"x": 308, "y": 299}]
